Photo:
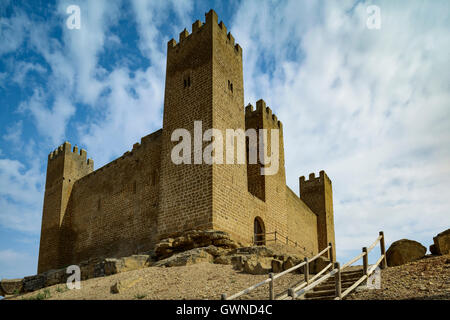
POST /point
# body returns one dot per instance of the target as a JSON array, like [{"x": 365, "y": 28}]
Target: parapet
[
  {"x": 314, "y": 181},
  {"x": 263, "y": 110},
  {"x": 210, "y": 18},
  {"x": 66, "y": 148}
]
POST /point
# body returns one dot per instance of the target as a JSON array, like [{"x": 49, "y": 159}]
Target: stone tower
[
  {"x": 317, "y": 193},
  {"x": 204, "y": 82},
  {"x": 65, "y": 166}
]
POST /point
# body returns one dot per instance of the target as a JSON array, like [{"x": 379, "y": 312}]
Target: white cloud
[
  {"x": 23, "y": 68},
  {"x": 370, "y": 107},
  {"x": 13, "y": 134},
  {"x": 12, "y": 32},
  {"x": 20, "y": 196},
  {"x": 133, "y": 106},
  {"x": 51, "y": 122}
]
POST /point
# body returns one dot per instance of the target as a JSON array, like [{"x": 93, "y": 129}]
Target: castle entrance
[{"x": 259, "y": 232}]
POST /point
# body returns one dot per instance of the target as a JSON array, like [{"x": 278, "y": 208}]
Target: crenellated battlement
[
  {"x": 262, "y": 110},
  {"x": 314, "y": 181},
  {"x": 150, "y": 138},
  {"x": 66, "y": 148},
  {"x": 198, "y": 27}
]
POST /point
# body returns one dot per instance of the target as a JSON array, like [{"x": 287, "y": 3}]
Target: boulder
[
  {"x": 238, "y": 261},
  {"x": 260, "y": 251},
  {"x": 233, "y": 259},
  {"x": 225, "y": 243},
  {"x": 123, "y": 285},
  {"x": 134, "y": 262},
  {"x": 216, "y": 251},
  {"x": 185, "y": 258},
  {"x": 404, "y": 251},
  {"x": 194, "y": 239},
  {"x": 433, "y": 249},
  {"x": 260, "y": 265},
  {"x": 164, "y": 248},
  {"x": 12, "y": 286},
  {"x": 442, "y": 243},
  {"x": 277, "y": 265},
  {"x": 291, "y": 261}
]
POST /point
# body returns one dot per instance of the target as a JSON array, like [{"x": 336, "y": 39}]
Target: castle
[{"x": 129, "y": 204}]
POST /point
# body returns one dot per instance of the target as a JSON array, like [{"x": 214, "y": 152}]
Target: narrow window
[
  {"x": 189, "y": 81},
  {"x": 185, "y": 83}
]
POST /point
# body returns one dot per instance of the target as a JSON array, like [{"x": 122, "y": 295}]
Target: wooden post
[
  {"x": 330, "y": 252},
  {"x": 287, "y": 240},
  {"x": 296, "y": 244},
  {"x": 307, "y": 270},
  {"x": 275, "y": 236},
  {"x": 337, "y": 280},
  {"x": 223, "y": 296},
  {"x": 271, "y": 293},
  {"x": 365, "y": 260},
  {"x": 383, "y": 251}
]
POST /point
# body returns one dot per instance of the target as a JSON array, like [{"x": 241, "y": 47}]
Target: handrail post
[
  {"x": 223, "y": 296},
  {"x": 271, "y": 293},
  {"x": 337, "y": 280},
  {"x": 330, "y": 252},
  {"x": 365, "y": 260},
  {"x": 275, "y": 236},
  {"x": 287, "y": 240},
  {"x": 383, "y": 251},
  {"x": 307, "y": 271}
]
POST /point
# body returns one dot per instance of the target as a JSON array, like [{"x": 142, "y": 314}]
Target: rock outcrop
[
  {"x": 12, "y": 286},
  {"x": 404, "y": 251},
  {"x": 441, "y": 243},
  {"x": 185, "y": 258},
  {"x": 193, "y": 239},
  {"x": 123, "y": 285}
]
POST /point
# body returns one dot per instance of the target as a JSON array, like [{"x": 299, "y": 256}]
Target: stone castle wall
[{"x": 126, "y": 206}]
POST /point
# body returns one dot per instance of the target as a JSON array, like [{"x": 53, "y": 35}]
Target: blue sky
[{"x": 371, "y": 107}]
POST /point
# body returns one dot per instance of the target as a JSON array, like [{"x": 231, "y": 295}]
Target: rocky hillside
[{"x": 424, "y": 279}]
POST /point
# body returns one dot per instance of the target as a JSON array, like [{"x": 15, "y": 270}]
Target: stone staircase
[{"x": 326, "y": 290}]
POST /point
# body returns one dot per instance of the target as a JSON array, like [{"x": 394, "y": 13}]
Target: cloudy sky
[{"x": 369, "y": 106}]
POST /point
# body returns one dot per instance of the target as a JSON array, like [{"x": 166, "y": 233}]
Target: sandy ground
[
  {"x": 199, "y": 281},
  {"x": 428, "y": 278}
]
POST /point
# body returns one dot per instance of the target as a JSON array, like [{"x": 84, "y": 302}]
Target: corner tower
[
  {"x": 65, "y": 166},
  {"x": 204, "y": 82},
  {"x": 317, "y": 193}
]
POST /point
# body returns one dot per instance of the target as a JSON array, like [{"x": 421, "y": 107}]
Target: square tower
[{"x": 204, "y": 82}]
